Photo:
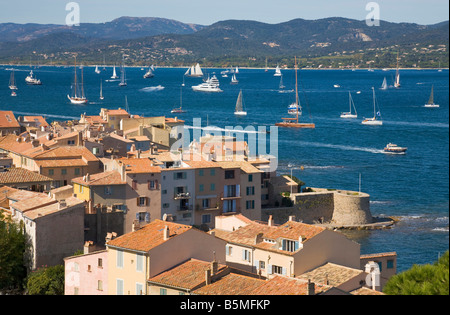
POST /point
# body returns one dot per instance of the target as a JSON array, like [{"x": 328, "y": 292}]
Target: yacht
[
  {"x": 210, "y": 85},
  {"x": 32, "y": 80},
  {"x": 393, "y": 148},
  {"x": 376, "y": 120}
]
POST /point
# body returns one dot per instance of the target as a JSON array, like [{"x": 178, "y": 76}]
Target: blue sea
[{"x": 413, "y": 187}]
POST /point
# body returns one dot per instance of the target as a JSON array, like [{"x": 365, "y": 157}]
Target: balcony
[
  {"x": 183, "y": 195},
  {"x": 184, "y": 208}
]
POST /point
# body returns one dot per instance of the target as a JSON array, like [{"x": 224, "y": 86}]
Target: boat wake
[
  {"x": 338, "y": 146},
  {"x": 47, "y": 115},
  {"x": 152, "y": 88}
]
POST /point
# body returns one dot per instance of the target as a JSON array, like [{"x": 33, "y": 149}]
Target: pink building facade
[{"x": 86, "y": 274}]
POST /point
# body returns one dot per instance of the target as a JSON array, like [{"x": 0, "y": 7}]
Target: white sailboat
[
  {"x": 12, "y": 81},
  {"x": 194, "y": 71},
  {"x": 397, "y": 76},
  {"x": 281, "y": 86},
  {"x": 376, "y": 120},
  {"x": 431, "y": 103},
  {"x": 96, "y": 70},
  {"x": 384, "y": 86},
  {"x": 123, "y": 79},
  {"x": 101, "y": 91},
  {"x": 114, "y": 76},
  {"x": 239, "y": 110},
  {"x": 234, "y": 80},
  {"x": 237, "y": 70},
  {"x": 179, "y": 110},
  {"x": 349, "y": 114},
  {"x": 149, "y": 74},
  {"x": 277, "y": 72},
  {"x": 77, "y": 99}
]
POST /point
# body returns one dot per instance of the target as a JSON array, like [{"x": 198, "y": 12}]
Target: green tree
[
  {"x": 46, "y": 281},
  {"x": 430, "y": 279},
  {"x": 12, "y": 252}
]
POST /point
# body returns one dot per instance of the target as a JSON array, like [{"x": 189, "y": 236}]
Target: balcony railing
[{"x": 184, "y": 195}]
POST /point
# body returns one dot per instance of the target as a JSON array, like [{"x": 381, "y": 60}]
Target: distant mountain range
[{"x": 141, "y": 41}]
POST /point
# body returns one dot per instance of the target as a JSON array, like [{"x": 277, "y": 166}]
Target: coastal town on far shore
[{"x": 108, "y": 198}]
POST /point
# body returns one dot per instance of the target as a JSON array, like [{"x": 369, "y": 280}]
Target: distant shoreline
[{"x": 247, "y": 68}]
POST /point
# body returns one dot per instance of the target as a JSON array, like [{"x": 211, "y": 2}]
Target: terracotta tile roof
[
  {"x": 333, "y": 274},
  {"x": 95, "y": 120},
  {"x": 150, "y": 236},
  {"x": 38, "y": 120},
  {"x": 8, "y": 120},
  {"x": 366, "y": 291},
  {"x": 141, "y": 165},
  {"x": 293, "y": 230},
  {"x": 245, "y": 235},
  {"x": 188, "y": 275},
  {"x": 378, "y": 255},
  {"x": 21, "y": 175},
  {"x": 101, "y": 179},
  {"x": 173, "y": 120},
  {"x": 280, "y": 285},
  {"x": 232, "y": 284},
  {"x": 117, "y": 112},
  {"x": 74, "y": 152},
  {"x": 243, "y": 165},
  {"x": 42, "y": 207},
  {"x": 61, "y": 163},
  {"x": 20, "y": 194},
  {"x": 34, "y": 202}
]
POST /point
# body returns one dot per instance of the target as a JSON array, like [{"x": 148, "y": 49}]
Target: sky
[{"x": 207, "y": 12}]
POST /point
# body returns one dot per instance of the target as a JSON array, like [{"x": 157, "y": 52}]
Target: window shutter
[
  {"x": 283, "y": 271},
  {"x": 147, "y": 217},
  {"x": 269, "y": 270},
  {"x": 137, "y": 214},
  {"x": 227, "y": 250},
  {"x": 147, "y": 201},
  {"x": 243, "y": 254},
  {"x": 137, "y": 201},
  {"x": 148, "y": 185}
]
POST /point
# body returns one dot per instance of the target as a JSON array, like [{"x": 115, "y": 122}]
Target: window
[
  {"x": 206, "y": 218},
  {"x": 262, "y": 264},
  {"x": 51, "y": 172},
  {"x": 162, "y": 291},
  {"x": 100, "y": 285},
  {"x": 201, "y": 187},
  {"x": 230, "y": 191},
  {"x": 179, "y": 175},
  {"x": 290, "y": 246},
  {"x": 380, "y": 264},
  {"x": 213, "y": 187},
  {"x": 64, "y": 171},
  {"x": 229, "y": 174},
  {"x": 245, "y": 255},
  {"x": 390, "y": 264},
  {"x": 250, "y": 177},
  {"x": 142, "y": 201},
  {"x": 119, "y": 259},
  {"x": 139, "y": 263},
  {"x": 212, "y": 172},
  {"x": 250, "y": 190},
  {"x": 201, "y": 173},
  {"x": 81, "y": 189},
  {"x": 119, "y": 289},
  {"x": 139, "y": 288},
  {"x": 250, "y": 204},
  {"x": 205, "y": 203},
  {"x": 71, "y": 142},
  {"x": 77, "y": 171},
  {"x": 134, "y": 184},
  {"x": 166, "y": 205},
  {"x": 100, "y": 263},
  {"x": 108, "y": 190},
  {"x": 164, "y": 191},
  {"x": 152, "y": 184},
  {"x": 229, "y": 250},
  {"x": 277, "y": 269}
]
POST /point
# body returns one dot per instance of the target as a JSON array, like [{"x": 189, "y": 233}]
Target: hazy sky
[{"x": 207, "y": 12}]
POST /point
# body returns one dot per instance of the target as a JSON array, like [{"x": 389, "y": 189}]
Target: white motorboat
[{"x": 393, "y": 148}]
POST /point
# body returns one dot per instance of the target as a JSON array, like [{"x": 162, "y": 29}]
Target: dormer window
[{"x": 290, "y": 246}]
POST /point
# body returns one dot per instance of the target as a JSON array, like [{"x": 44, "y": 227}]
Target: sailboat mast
[
  {"x": 296, "y": 87},
  {"x": 76, "y": 87},
  {"x": 82, "y": 83},
  {"x": 374, "y": 110}
]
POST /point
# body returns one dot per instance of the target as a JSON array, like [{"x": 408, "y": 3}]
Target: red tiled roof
[
  {"x": 280, "y": 285},
  {"x": 149, "y": 236},
  {"x": 8, "y": 120},
  {"x": 232, "y": 284},
  {"x": 142, "y": 165},
  {"x": 187, "y": 275},
  {"x": 21, "y": 175},
  {"x": 101, "y": 179}
]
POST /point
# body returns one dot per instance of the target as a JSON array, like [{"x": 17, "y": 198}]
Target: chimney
[
  {"x": 207, "y": 276},
  {"x": 310, "y": 289},
  {"x": 214, "y": 267},
  {"x": 292, "y": 218},
  {"x": 270, "y": 222},
  {"x": 166, "y": 233}
]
